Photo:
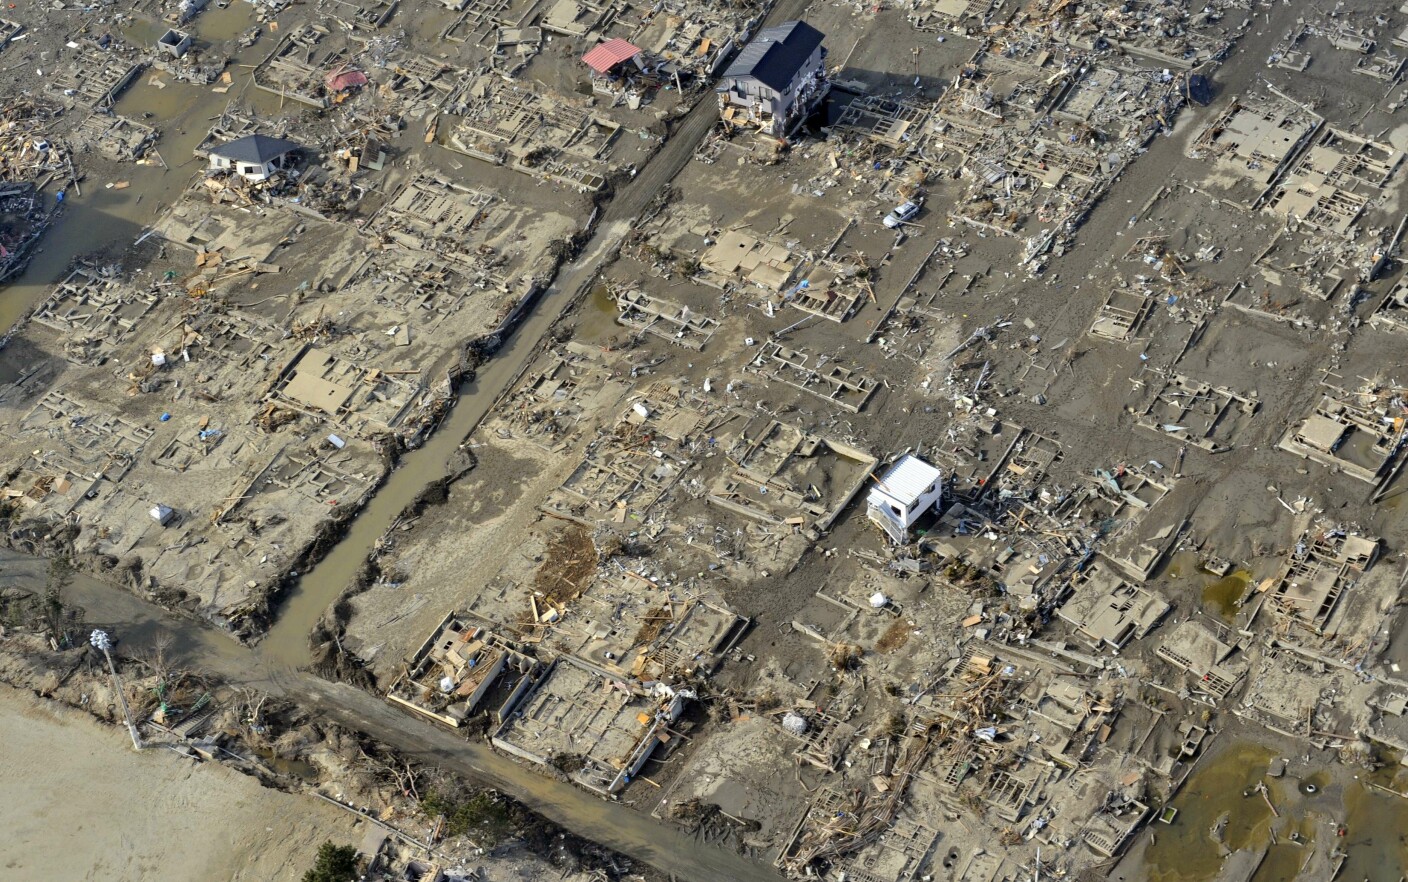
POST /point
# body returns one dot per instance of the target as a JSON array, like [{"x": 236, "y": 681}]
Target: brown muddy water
[
  {"x": 102, "y": 220},
  {"x": 286, "y": 643},
  {"x": 1187, "y": 850},
  {"x": 1376, "y": 828},
  {"x": 1225, "y": 595},
  {"x": 597, "y": 321},
  {"x": 282, "y": 765},
  {"x": 1221, "y": 597},
  {"x": 1218, "y": 797}
]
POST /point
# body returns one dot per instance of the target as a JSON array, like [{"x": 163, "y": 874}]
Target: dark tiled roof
[
  {"x": 775, "y": 55},
  {"x": 257, "y": 149}
]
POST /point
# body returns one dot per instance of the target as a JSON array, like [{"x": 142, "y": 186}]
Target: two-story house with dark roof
[{"x": 776, "y": 80}]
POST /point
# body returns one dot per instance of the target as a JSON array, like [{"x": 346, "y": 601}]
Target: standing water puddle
[
  {"x": 1225, "y": 595},
  {"x": 1219, "y": 596},
  {"x": 100, "y": 219}
]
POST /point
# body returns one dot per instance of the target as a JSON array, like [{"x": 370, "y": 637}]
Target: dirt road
[{"x": 136, "y": 622}]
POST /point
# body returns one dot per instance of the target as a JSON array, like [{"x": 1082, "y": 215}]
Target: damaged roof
[
  {"x": 257, "y": 149},
  {"x": 776, "y": 54},
  {"x": 342, "y": 80}
]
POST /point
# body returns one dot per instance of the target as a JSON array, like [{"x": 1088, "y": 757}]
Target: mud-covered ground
[{"x": 80, "y": 803}]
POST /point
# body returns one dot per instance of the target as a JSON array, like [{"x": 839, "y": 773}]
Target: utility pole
[{"x": 101, "y": 640}]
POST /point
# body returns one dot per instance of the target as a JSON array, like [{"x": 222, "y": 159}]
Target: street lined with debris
[{"x": 878, "y": 441}]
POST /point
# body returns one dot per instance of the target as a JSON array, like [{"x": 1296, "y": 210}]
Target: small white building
[
  {"x": 253, "y": 157},
  {"x": 907, "y": 490}
]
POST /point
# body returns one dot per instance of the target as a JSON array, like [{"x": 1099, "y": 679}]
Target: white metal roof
[{"x": 909, "y": 478}]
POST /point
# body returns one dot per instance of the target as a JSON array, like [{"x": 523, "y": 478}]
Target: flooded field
[
  {"x": 1215, "y": 816},
  {"x": 100, "y": 219}
]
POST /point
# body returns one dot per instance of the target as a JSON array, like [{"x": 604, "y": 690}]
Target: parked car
[{"x": 901, "y": 214}]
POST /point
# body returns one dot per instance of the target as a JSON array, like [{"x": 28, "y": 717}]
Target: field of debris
[
  {"x": 238, "y": 361},
  {"x": 1140, "y": 330},
  {"x": 970, "y": 447}
]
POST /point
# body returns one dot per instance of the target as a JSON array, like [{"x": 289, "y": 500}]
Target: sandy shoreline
[{"x": 76, "y": 802}]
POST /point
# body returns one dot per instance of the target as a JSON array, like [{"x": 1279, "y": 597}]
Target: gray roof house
[
  {"x": 778, "y": 78},
  {"x": 254, "y": 157}
]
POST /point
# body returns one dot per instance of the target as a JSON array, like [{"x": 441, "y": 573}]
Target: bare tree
[
  {"x": 156, "y": 657},
  {"x": 249, "y": 712}
]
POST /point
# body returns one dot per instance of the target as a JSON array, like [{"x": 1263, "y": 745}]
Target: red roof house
[{"x": 605, "y": 56}]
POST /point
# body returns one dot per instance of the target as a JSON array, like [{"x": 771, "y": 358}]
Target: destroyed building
[
  {"x": 576, "y": 716},
  {"x": 947, "y": 484}
]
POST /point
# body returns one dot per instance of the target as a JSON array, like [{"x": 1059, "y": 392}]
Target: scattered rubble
[{"x": 957, "y": 454}]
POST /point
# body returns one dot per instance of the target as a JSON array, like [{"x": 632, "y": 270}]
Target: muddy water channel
[{"x": 287, "y": 642}]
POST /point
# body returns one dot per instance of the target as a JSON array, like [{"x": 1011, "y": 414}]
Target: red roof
[
  {"x": 609, "y": 54},
  {"x": 341, "y": 81}
]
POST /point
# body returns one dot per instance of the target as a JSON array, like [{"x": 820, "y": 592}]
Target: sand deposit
[{"x": 81, "y": 804}]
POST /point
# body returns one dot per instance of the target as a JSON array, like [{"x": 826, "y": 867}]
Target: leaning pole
[{"x": 101, "y": 640}]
